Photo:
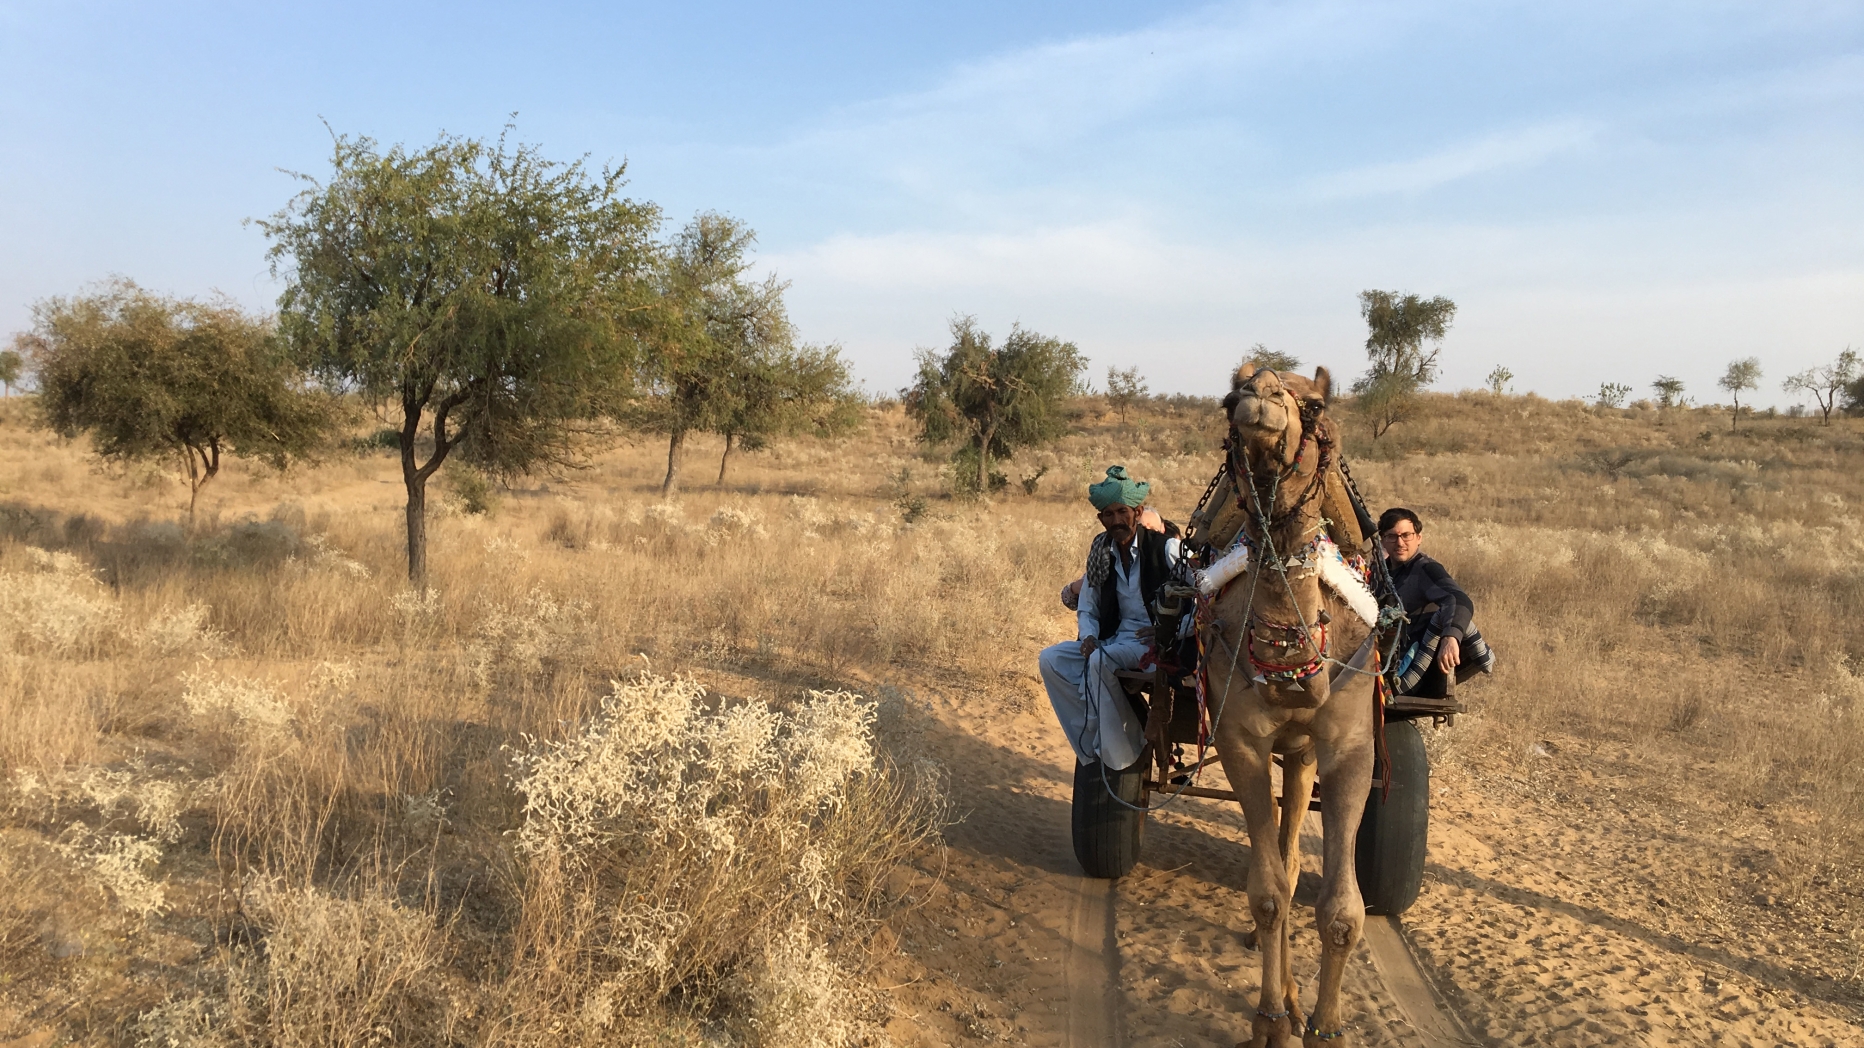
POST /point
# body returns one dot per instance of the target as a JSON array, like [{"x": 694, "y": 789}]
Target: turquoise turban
[{"x": 1118, "y": 489}]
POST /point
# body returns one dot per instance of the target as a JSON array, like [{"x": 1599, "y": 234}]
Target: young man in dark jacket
[{"x": 1441, "y": 639}]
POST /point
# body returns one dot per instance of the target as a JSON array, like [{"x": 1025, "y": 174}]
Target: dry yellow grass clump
[{"x": 613, "y": 779}]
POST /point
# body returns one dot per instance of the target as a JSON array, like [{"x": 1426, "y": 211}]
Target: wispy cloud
[{"x": 1508, "y": 150}]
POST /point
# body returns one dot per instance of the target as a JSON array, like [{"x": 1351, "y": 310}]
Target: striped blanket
[{"x": 1417, "y": 658}]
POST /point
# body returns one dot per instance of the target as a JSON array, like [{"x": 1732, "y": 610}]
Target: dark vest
[{"x": 1154, "y": 570}]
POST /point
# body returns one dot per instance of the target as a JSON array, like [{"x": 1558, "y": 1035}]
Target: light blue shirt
[{"x": 1133, "y": 614}]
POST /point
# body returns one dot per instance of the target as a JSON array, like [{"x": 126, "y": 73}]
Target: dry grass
[{"x": 255, "y": 791}]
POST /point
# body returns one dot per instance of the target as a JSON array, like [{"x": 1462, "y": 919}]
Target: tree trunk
[
  {"x": 1735, "y": 419},
  {"x": 983, "y": 460},
  {"x": 726, "y": 457},
  {"x": 673, "y": 461},
  {"x": 416, "y": 483}
]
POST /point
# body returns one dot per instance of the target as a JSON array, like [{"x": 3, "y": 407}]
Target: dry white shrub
[
  {"x": 117, "y": 862},
  {"x": 254, "y": 704},
  {"x": 59, "y": 609},
  {"x": 183, "y": 631},
  {"x": 337, "y": 972},
  {"x": 793, "y": 995},
  {"x": 735, "y": 522},
  {"x": 196, "y": 1021},
  {"x": 541, "y": 626},
  {"x": 326, "y": 557}
]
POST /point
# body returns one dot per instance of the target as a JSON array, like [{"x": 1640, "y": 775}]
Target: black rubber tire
[
  {"x": 1106, "y": 833},
  {"x": 1394, "y": 834}
]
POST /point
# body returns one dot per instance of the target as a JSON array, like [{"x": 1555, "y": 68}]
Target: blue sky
[{"x": 1609, "y": 191}]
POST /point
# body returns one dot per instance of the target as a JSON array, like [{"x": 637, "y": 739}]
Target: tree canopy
[
  {"x": 1273, "y": 359},
  {"x": 1398, "y": 326},
  {"x": 484, "y": 288},
  {"x": 724, "y": 346},
  {"x": 994, "y": 398},
  {"x": 151, "y": 376},
  {"x": 1125, "y": 386},
  {"x": 1827, "y": 382},
  {"x": 784, "y": 390},
  {"x": 12, "y": 366},
  {"x": 1669, "y": 390},
  {"x": 1742, "y": 375}
]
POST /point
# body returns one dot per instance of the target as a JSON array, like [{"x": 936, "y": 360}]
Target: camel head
[{"x": 1266, "y": 408}]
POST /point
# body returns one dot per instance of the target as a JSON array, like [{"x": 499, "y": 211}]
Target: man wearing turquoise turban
[{"x": 1126, "y": 566}]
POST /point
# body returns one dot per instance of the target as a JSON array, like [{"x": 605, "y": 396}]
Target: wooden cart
[{"x": 1110, "y": 806}]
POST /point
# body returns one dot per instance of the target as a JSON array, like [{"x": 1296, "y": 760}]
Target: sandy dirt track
[{"x": 1518, "y": 926}]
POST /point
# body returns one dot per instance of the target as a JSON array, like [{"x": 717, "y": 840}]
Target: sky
[{"x": 1608, "y": 191}]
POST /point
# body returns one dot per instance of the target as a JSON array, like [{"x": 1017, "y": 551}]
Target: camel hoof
[{"x": 1339, "y": 1040}]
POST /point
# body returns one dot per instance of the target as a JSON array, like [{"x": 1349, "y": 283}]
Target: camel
[{"x": 1264, "y": 631}]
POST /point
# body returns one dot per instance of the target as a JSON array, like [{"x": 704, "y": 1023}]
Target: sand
[{"x": 1539, "y": 924}]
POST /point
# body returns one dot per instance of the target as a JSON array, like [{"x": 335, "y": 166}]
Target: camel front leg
[
  {"x": 1340, "y": 916},
  {"x": 1298, "y": 772},
  {"x": 1247, "y": 762}
]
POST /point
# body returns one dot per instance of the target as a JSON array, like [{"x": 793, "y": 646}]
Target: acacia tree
[
  {"x": 1124, "y": 388},
  {"x": 1669, "y": 390},
  {"x": 1498, "y": 380},
  {"x": 12, "y": 366},
  {"x": 716, "y": 330},
  {"x": 783, "y": 391},
  {"x": 1828, "y": 381},
  {"x": 482, "y": 288},
  {"x": 148, "y": 376},
  {"x": 1397, "y": 328},
  {"x": 994, "y": 399},
  {"x": 1273, "y": 359},
  {"x": 1743, "y": 374}
]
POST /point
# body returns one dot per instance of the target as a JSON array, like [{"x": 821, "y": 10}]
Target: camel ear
[
  {"x": 1243, "y": 374},
  {"x": 1323, "y": 382}
]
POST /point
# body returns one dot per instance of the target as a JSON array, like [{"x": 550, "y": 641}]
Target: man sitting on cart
[
  {"x": 1126, "y": 566},
  {"x": 1442, "y": 638}
]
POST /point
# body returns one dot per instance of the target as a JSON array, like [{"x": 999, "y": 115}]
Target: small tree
[
  {"x": 995, "y": 399},
  {"x": 1669, "y": 391},
  {"x": 1385, "y": 400},
  {"x": 1612, "y": 394},
  {"x": 149, "y": 376},
  {"x": 1124, "y": 389},
  {"x": 1742, "y": 375},
  {"x": 484, "y": 289},
  {"x": 1827, "y": 382},
  {"x": 785, "y": 391},
  {"x": 722, "y": 333},
  {"x": 1498, "y": 380},
  {"x": 1398, "y": 326},
  {"x": 1274, "y": 360},
  {"x": 12, "y": 366}
]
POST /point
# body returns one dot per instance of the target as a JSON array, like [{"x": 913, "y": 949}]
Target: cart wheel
[
  {"x": 1395, "y": 830},
  {"x": 1106, "y": 832}
]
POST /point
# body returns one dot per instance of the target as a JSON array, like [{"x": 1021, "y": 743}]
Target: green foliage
[
  {"x": 1669, "y": 390},
  {"x": 994, "y": 399},
  {"x": 475, "y": 491},
  {"x": 1385, "y": 399},
  {"x": 1274, "y": 360},
  {"x": 1498, "y": 380},
  {"x": 150, "y": 376},
  {"x": 1612, "y": 394},
  {"x": 912, "y": 506},
  {"x": 1034, "y": 480},
  {"x": 1125, "y": 388},
  {"x": 1854, "y": 396},
  {"x": 1828, "y": 382},
  {"x": 725, "y": 359},
  {"x": 1397, "y": 326},
  {"x": 12, "y": 366},
  {"x": 966, "y": 480},
  {"x": 495, "y": 293},
  {"x": 1742, "y": 375}
]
